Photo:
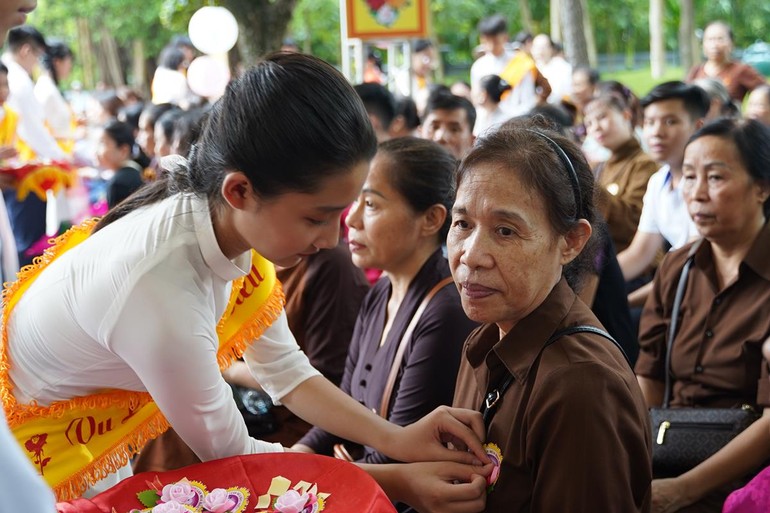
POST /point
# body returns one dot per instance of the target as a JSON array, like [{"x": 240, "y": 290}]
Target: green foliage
[
  {"x": 316, "y": 28},
  {"x": 56, "y": 18}
]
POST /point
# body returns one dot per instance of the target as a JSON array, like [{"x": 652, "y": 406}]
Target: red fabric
[{"x": 352, "y": 490}]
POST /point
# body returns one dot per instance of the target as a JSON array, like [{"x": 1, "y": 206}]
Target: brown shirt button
[
  {"x": 709, "y": 333},
  {"x": 699, "y": 369}
]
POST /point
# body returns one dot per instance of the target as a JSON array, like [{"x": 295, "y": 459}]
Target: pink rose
[
  {"x": 291, "y": 502},
  {"x": 217, "y": 501},
  {"x": 181, "y": 492},
  {"x": 170, "y": 507}
]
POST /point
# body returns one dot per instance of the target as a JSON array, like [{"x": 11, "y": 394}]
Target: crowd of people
[{"x": 478, "y": 280}]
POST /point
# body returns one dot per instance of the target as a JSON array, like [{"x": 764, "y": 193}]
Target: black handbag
[
  {"x": 685, "y": 437},
  {"x": 256, "y": 408}
]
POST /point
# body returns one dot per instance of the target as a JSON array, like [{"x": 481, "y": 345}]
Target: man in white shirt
[
  {"x": 28, "y": 218},
  {"x": 673, "y": 111},
  {"x": 493, "y": 34}
]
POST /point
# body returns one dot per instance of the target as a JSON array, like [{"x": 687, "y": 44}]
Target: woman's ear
[
  {"x": 237, "y": 191},
  {"x": 434, "y": 219},
  {"x": 575, "y": 241}
]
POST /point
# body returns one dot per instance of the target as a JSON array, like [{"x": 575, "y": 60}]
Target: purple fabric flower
[{"x": 218, "y": 501}]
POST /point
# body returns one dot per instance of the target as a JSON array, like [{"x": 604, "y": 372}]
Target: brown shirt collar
[
  {"x": 519, "y": 348},
  {"x": 757, "y": 259}
]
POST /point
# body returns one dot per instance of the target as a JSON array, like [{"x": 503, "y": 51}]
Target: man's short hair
[
  {"x": 696, "y": 101},
  {"x": 493, "y": 25},
  {"x": 25, "y": 35},
  {"x": 378, "y": 101},
  {"x": 442, "y": 100}
]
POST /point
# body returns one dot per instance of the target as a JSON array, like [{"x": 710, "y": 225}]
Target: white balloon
[
  {"x": 213, "y": 30},
  {"x": 208, "y": 77}
]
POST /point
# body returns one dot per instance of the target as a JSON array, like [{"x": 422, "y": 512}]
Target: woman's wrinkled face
[
  {"x": 383, "y": 228},
  {"x": 723, "y": 200},
  {"x": 504, "y": 255},
  {"x": 717, "y": 45}
]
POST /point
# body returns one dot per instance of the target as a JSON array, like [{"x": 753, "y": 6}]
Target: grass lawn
[{"x": 640, "y": 81}]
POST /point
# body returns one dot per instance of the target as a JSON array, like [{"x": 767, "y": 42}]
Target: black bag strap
[
  {"x": 491, "y": 400},
  {"x": 675, "y": 313}
]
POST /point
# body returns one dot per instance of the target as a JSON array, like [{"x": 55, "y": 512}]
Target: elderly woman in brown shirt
[
  {"x": 570, "y": 421},
  {"x": 623, "y": 178},
  {"x": 716, "y": 358}
]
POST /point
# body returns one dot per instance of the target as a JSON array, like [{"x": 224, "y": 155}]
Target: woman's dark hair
[
  {"x": 130, "y": 114},
  {"x": 167, "y": 122},
  {"x": 624, "y": 99},
  {"x": 494, "y": 86},
  {"x": 752, "y": 140},
  {"x": 187, "y": 129},
  {"x": 591, "y": 74},
  {"x": 152, "y": 112},
  {"x": 122, "y": 133},
  {"x": 171, "y": 57},
  {"x": 56, "y": 51},
  {"x": 278, "y": 127},
  {"x": 110, "y": 102},
  {"x": 406, "y": 107},
  {"x": 422, "y": 171},
  {"x": 550, "y": 165}
]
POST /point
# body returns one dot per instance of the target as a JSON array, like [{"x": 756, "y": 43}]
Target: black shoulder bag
[
  {"x": 493, "y": 397},
  {"x": 685, "y": 437}
]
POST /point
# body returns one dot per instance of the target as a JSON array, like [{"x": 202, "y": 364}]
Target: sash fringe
[
  {"x": 124, "y": 448},
  {"x": 113, "y": 459},
  {"x": 17, "y": 413}
]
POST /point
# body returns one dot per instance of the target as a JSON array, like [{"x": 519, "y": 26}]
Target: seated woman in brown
[
  {"x": 716, "y": 358},
  {"x": 398, "y": 224},
  {"x": 561, "y": 402},
  {"x": 623, "y": 178}
]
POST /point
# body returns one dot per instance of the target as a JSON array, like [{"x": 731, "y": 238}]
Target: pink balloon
[{"x": 208, "y": 77}]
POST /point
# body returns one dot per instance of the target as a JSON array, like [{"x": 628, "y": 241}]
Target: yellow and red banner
[{"x": 378, "y": 19}]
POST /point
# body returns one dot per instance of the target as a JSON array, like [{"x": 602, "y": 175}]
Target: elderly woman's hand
[
  {"x": 669, "y": 495},
  {"x": 426, "y": 439},
  {"x": 441, "y": 487}
]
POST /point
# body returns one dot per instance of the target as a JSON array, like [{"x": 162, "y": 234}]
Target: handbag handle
[
  {"x": 388, "y": 392},
  {"x": 674, "y": 326}
]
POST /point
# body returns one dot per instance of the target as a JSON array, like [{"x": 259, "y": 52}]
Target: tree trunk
[
  {"x": 138, "y": 67},
  {"x": 593, "y": 58},
  {"x": 657, "y": 45},
  {"x": 526, "y": 15},
  {"x": 555, "y": 13},
  {"x": 86, "y": 53},
  {"x": 262, "y": 25},
  {"x": 686, "y": 34},
  {"x": 575, "y": 46},
  {"x": 112, "y": 73}
]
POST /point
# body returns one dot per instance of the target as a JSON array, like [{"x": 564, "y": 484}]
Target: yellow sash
[
  {"x": 517, "y": 68},
  {"x": 77, "y": 442},
  {"x": 8, "y": 127}
]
